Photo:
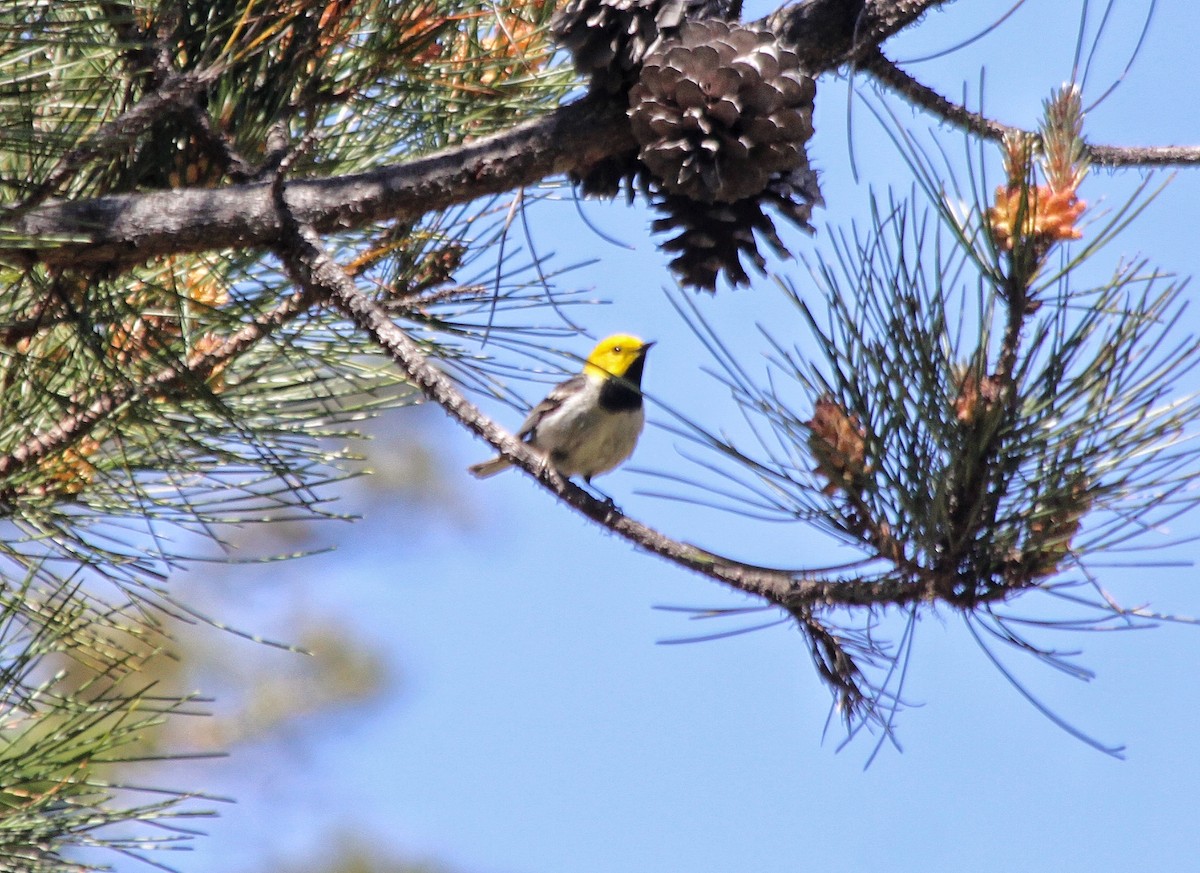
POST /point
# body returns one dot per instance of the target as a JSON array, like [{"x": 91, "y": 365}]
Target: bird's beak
[{"x": 646, "y": 346}]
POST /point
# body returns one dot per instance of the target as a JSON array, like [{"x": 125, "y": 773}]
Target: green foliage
[
  {"x": 988, "y": 413},
  {"x": 67, "y": 722},
  {"x": 373, "y": 80},
  {"x": 146, "y": 408}
]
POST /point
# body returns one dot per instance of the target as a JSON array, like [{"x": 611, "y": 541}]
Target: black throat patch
[{"x": 620, "y": 395}]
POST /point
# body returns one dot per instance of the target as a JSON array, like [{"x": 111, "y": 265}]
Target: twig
[
  {"x": 309, "y": 265},
  {"x": 174, "y": 93},
  {"x": 1148, "y": 156},
  {"x": 79, "y": 424},
  {"x": 920, "y": 94}
]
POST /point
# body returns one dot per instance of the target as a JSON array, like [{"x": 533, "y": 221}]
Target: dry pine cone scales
[
  {"x": 609, "y": 39},
  {"x": 720, "y": 111}
]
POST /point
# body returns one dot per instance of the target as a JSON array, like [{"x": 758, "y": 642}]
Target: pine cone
[
  {"x": 715, "y": 237},
  {"x": 610, "y": 38},
  {"x": 837, "y": 441},
  {"x": 721, "y": 110},
  {"x": 1054, "y": 525},
  {"x": 609, "y": 176}
]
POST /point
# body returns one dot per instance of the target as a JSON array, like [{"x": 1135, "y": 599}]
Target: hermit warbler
[{"x": 590, "y": 423}]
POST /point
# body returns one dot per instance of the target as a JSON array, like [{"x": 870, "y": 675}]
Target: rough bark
[{"x": 129, "y": 228}]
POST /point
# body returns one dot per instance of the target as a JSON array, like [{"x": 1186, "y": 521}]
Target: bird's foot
[{"x": 602, "y": 497}]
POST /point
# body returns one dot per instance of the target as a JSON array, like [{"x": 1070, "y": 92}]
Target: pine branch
[
  {"x": 130, "y": 228},
  {"x": 175, "y": 92},
  {"x": 919, "y": 94},
  {"x": 313, "y": 270},
  {"x": 1144, "y": 156},
  {"x": 198, "y": 368}
]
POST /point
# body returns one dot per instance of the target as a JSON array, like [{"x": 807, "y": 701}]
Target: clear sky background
[{"x": 531, "y": 724}]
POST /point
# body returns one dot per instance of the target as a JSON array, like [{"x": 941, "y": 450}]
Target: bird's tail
[{"x": 488, "y": 468}]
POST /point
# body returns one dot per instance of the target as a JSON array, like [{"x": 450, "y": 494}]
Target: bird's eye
[{"x": 616, "y": 348}]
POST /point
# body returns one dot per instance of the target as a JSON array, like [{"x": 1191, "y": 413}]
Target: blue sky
[{"x": 534, "y": 726}]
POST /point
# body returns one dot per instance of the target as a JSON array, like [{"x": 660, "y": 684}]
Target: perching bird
[{"x": 590, "y": 423}]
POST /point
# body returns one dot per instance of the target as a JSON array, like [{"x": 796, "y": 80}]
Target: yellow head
[{"x": 615, "y": 355}]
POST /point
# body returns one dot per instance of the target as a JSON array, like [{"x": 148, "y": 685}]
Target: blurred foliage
[{"x": 352, "y": 854}]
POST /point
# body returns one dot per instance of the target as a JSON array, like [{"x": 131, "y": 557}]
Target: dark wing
[{"x": 552, "y": 401}]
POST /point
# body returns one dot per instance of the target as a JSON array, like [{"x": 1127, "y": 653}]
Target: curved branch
[
  {"x": 918, "y": 93},
  {"x": 311, "y": 268},
  {"x": 129, "y": 228},
  {"x": 887, "y": 73}
]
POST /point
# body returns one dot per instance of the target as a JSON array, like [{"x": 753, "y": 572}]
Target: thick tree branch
[{"x": 130, "y": 228}]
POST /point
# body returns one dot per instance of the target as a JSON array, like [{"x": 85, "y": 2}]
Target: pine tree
[{"x": 230, "y": 230}]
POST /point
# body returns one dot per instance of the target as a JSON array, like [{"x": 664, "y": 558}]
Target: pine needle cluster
[
  {"x": 981, "y": 421},
  {"x": 147, "y": 406}
]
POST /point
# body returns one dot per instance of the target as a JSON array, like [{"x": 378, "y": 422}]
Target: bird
[{"x": 590, "y": 423}]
